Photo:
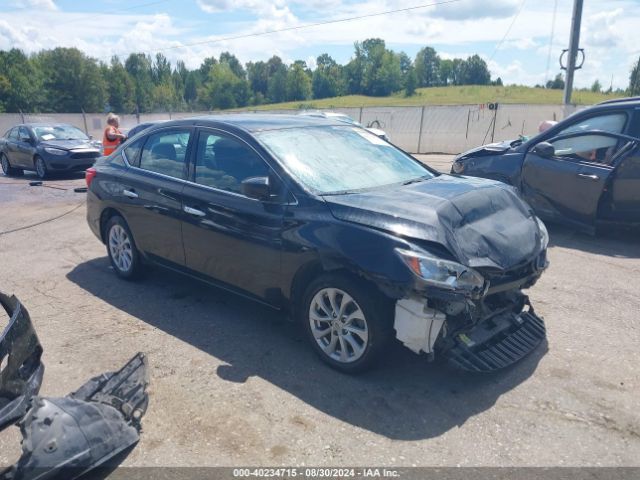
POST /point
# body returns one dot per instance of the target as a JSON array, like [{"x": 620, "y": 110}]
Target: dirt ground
[{"x": 234, "y": 384}]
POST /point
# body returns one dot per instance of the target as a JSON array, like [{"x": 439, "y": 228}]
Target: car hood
[
  {"x": 69, "y": 144},
  {"x": 481, "y": 222},
  {"x": 489, "y": 149}
]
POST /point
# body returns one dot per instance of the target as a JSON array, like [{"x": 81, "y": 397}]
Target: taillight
[{"x": 89, "y": 175}]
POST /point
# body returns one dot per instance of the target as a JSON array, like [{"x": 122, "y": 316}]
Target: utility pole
[{"x": 574, "y": 42}]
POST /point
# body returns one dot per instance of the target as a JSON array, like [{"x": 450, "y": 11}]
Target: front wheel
[
  {"x": 7, "y": 169},
  {"x": 122, "y": 250},
  {"x": 41, "y": 168},
  {"x": 347, "y": 323}
]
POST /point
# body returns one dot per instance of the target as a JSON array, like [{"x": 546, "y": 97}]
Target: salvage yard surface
[{"x": 233, "y": 383}]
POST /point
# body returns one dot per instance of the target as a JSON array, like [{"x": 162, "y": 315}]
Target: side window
[
  {"x": 165, "y": 151},
  {"x": 132, "y": 152},
  {"x": 223, "y": 162},
  {"x": 13, "y": 134},
  {"x": 588, "y": 147},
  {"x": 23, "y": 133},
  {"x": 611, "y": 122}
]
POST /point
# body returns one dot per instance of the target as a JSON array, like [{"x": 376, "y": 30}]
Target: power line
[
  {"x": 307, "y": 25},
  {"x": 513, "y": 20},
  {"x": 553, "y": 30}
]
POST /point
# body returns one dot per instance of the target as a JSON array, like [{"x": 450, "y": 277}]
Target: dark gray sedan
[{"x": 46, "y": 148}]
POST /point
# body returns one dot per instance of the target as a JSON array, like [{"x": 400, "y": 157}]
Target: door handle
[
  {"x": 130, "y": 193},
  {"x": 593, "y": 177},
  {"x": 193, "y": 211}
]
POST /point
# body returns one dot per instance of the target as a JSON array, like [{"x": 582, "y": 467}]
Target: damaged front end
[
  {"x": 64, "y": 437},
  {"x": 477, "y": 319}
]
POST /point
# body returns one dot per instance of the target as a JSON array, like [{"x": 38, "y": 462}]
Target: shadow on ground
[
  {"x": 612, "y": 242},
  {"x": 405, "y": 398}
]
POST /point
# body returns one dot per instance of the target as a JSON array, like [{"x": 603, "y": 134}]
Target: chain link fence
[{"x": 427, "y": 129}]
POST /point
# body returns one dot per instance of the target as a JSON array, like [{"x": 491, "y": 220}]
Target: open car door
[{"x": 565, "y": 177}]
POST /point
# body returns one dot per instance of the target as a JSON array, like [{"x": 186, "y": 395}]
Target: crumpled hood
[
  {"x": 489, "y": 149},
  {"x": 483, "y": 223},
  {"x": 69, "y": 144}
]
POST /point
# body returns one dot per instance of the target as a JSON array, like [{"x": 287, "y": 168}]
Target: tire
[
  {"x": 363, "y": 329},
  {"x": 40, "y": 167},
  {"x": 121, "y": 248},
  {"x": 7, "y": 169}
]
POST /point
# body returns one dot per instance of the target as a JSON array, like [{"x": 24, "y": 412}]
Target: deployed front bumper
[{"x": 487, "y": 336}]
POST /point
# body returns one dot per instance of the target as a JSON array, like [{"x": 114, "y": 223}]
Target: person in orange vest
[{"x": 112, "y": 135}]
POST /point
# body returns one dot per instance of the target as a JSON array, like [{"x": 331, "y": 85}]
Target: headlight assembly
[
  {"x": 544, "y": 234},
  {"x": 55, "y": 151},
  {"x": 441, "y": 273},
  {"x": 457, "y": 167}
]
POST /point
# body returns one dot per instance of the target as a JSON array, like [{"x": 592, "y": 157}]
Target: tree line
[{"x": 67, "y": 80}]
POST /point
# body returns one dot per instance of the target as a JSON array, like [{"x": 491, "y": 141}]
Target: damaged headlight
[
  {"x": 441, "y": 273},
  {"x": 544, "y": 235},
  {"x": 458, "y": 166}
]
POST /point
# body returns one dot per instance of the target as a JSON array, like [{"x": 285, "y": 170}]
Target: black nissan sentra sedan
[
  {"x": 46, "y": 148},
  {"x": 353, "y": 237}
]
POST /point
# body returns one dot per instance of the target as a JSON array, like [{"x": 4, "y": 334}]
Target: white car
[{"x": 343, "y": 117}]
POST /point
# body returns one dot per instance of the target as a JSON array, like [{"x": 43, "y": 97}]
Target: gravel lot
[{"x": 232, "y": 383}]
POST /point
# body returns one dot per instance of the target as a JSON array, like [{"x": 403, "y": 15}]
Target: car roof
[
  {"x": 254, "y": 122},
  {"x": 46, "y": 124},
  {"x": 617, "y": 101}
]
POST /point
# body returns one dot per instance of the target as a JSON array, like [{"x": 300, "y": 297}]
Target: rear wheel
[
  {"x": 41, "y": 168},
  {"x": 347, "y": 323},
  {"x": 121, "y": 248},
  {"x": 7, "y": 169}
]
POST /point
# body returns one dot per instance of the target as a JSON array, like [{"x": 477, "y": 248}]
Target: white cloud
[
  {"x": 473, "y": 9},
  {"x": 36, "y": 4},
  {"x": 601, "y": 29}
]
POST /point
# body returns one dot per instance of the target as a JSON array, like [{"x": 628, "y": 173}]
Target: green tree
[
  {"x": 557, "y": 83},
  {"x": 120, "y": 88},
  {"x": 234, "y": 64},
  {"x": 223, "y": 89},
  {"x": 258, "y": 76},
  {"x": 139, "y": 68},
  {"x": 72, "y": 82},
  {"x": 381, "y": 73},
  {"x": 474, "y": 71},
  {"x": 277, "y": 84},
  {"x": 22, "y": 84},
  {"x": 327, "y": 78},
  {"x": 298, "y": 83},
  {"x": 161, "y": 69},
  {"x": 410, "y": 83},
  {"x": 596, "y": 87},
  {"x": 427, "y": 66},
  {"x": 445, "y": 72},
  {"x": 634, "y": 80},
  {"x": 354, "y": 71},
  {"x": 191, "y": 86}
]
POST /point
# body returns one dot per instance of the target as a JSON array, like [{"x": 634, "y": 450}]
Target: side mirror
[
  {"x": 90, "y": 137},
  {"x": 256, "y": 187},
  {"x": 544, "y": 150}
]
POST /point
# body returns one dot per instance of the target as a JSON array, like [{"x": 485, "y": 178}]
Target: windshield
[
  {"x": 59, "y": 132},
  {"x": 340, "y": 159}
]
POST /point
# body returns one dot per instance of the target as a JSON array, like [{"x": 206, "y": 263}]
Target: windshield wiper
[{"x": 416, "y": 180}]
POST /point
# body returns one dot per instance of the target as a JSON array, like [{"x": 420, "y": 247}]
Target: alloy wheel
[
  {"x": 120, "y": 248},
  {"x": 41, "y": 168},
  {"x": 338, "y": 325}
]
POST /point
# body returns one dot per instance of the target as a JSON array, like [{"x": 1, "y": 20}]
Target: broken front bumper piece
[
  {"x": 496, "y": 341},
  {"x": 64, "y": 437}
]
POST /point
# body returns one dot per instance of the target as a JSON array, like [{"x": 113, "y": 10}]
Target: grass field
[{"x": 454, "y": 95}]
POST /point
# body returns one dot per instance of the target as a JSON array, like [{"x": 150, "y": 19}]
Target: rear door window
[
  {"x": 165, "y": 152},
  {"x": 13, "y": 134}
]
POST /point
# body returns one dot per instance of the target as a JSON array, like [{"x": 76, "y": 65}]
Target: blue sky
[{"x": 460, "y": 28}]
